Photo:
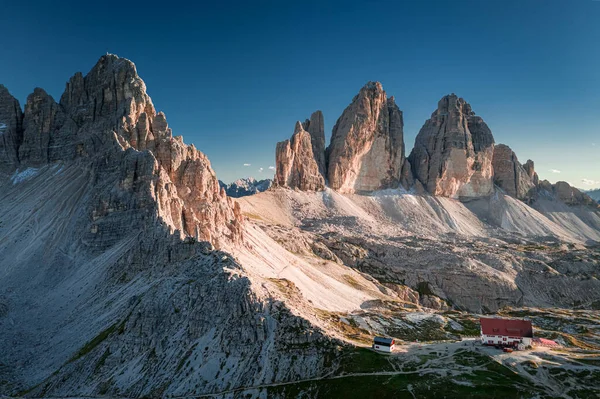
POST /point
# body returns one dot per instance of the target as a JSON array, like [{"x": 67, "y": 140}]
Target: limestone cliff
[
  {"x": 316, "y": 128},
  {"x": 367, "y": 143},
  {"x": 453, "y": 152},
  {"x": 107, "y": 112},
  {"x": 11, "y": 129},
  {"x": 511, "y": 176},
  {"x": 295, "y": 162},
  {"x": 568, "y": 194}
]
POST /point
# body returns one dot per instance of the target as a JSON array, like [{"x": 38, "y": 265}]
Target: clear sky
[{"x": 233, "y": 78}]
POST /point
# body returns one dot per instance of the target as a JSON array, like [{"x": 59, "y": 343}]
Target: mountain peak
[
  {"x": 453, "y": 151},
  {"x": 373, "y": 86},
  {"x": 298, "y": 128},
  {"x": 367, "y": 143},
  {"x": 108, "y": 111}
]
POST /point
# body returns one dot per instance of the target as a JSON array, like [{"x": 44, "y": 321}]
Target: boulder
[
  {"x": 367, "y": 144},
  {"x": 453, "y": 152}
]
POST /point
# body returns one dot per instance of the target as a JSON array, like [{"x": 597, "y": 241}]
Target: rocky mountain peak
[
  {"x": 367, "y": 144},
  {"x": 112, "y": 89},
  {"x": 453, "y": 151},
  {"x": 374, "y": 87},
  {"x": 298, "y": 128},
  {"x": 568, "y": 194},
  {"x": 11, "y": 130},
  {"x": 99, "y": 117},
  {"x": 511, "y": 176},
  {"x": 246, "y": 186},
  {"x": 453, "y": 106},
  {"x": 315, "y": 126},
  {"x": 529, "y": 167},
  {"x": 296, "y": 165}
]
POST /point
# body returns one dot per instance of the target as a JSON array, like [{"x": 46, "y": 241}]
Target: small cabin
[
  {"x": 506, "y": 332},
  {"x": 383, "y": 344}
]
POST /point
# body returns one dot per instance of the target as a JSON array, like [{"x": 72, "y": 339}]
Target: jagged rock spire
[
  {"x": 108, "y": 111},
  {"x": 453, "y": 152},
  {"x": 367, "y": 144},
  {"x": 511, "y": 176},
  {"x": 11, "y": 129},
  {"x": 295, "y": 163},
  {"x": 316, "y": 127}
]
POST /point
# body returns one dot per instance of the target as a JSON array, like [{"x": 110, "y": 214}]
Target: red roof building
[{"x": 496, "y": 331}]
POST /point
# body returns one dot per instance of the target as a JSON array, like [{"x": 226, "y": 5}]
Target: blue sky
[{"x": 234, "y": 78}]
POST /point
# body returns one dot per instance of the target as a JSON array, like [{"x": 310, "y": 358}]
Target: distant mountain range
[
  {"x": 246, "y": 186},
  {"x": 594, "y": 194}
]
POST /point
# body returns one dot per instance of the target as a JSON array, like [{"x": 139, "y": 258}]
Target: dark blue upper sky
[{"x": 233, "y": 78}]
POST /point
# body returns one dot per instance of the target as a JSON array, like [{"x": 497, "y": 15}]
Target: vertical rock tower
[
  {"x": 453, "y": 152},
  {"x": 511, "y": 176},
  {"x": 11, "y": 129},
  {"x": 296, "y": 163},
  {"x": 367, "y": 144},
  {"x": 315, "y": 126}
]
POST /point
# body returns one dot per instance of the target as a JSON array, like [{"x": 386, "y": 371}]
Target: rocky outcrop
[
  {"x": 367, "y": 144},
  {"x": 100, "y": 224},
  {"x": 295, "y": 164},
  {"x": 315, "y": 126},
  {"x": 11, "y": 129},
  {"x": 594, "y": 194},
  {"x": 568, "y": 194},
  {"x": 48, "y": 134},
  {"x": 407, "y": 179},
  {"x": 453, "y": 152},
  {"x": 530, "y": 169},
  {"x": 246, "y": 186},
  {"x": 511, "y": 176},
  {"x": 108, "y": 111}
]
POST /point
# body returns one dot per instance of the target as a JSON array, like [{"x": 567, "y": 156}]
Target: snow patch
[
  {"x": 2, "y": 127},
  {"x": 19, "y": 177}
]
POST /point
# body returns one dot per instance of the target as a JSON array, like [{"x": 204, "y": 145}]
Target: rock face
[
  {"x": 11, "y": 129},
  {"x": 105, "y": 113},
  {"x": 453, "y": 152},
  {"x": 107, "y": 222},
  {"x": 594, "y": 194},
  {"x": 511, "y": 176},
  {"x": 566, "y": 193},
  {"x": 530, "y": 169},
  {"x": 246, "y": 186},
  {"x": 407, "y": 179},
  {"x": 316, "y": 128},
  {"x": 295, "y": 163},
  {"x": 45, "y": 127},
  {"x": 367, "y": 144}
]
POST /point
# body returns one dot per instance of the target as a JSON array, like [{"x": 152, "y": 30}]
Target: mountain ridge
[
  {"x": 130, "y": 272},
  {"x": 455, "y": 155}
]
